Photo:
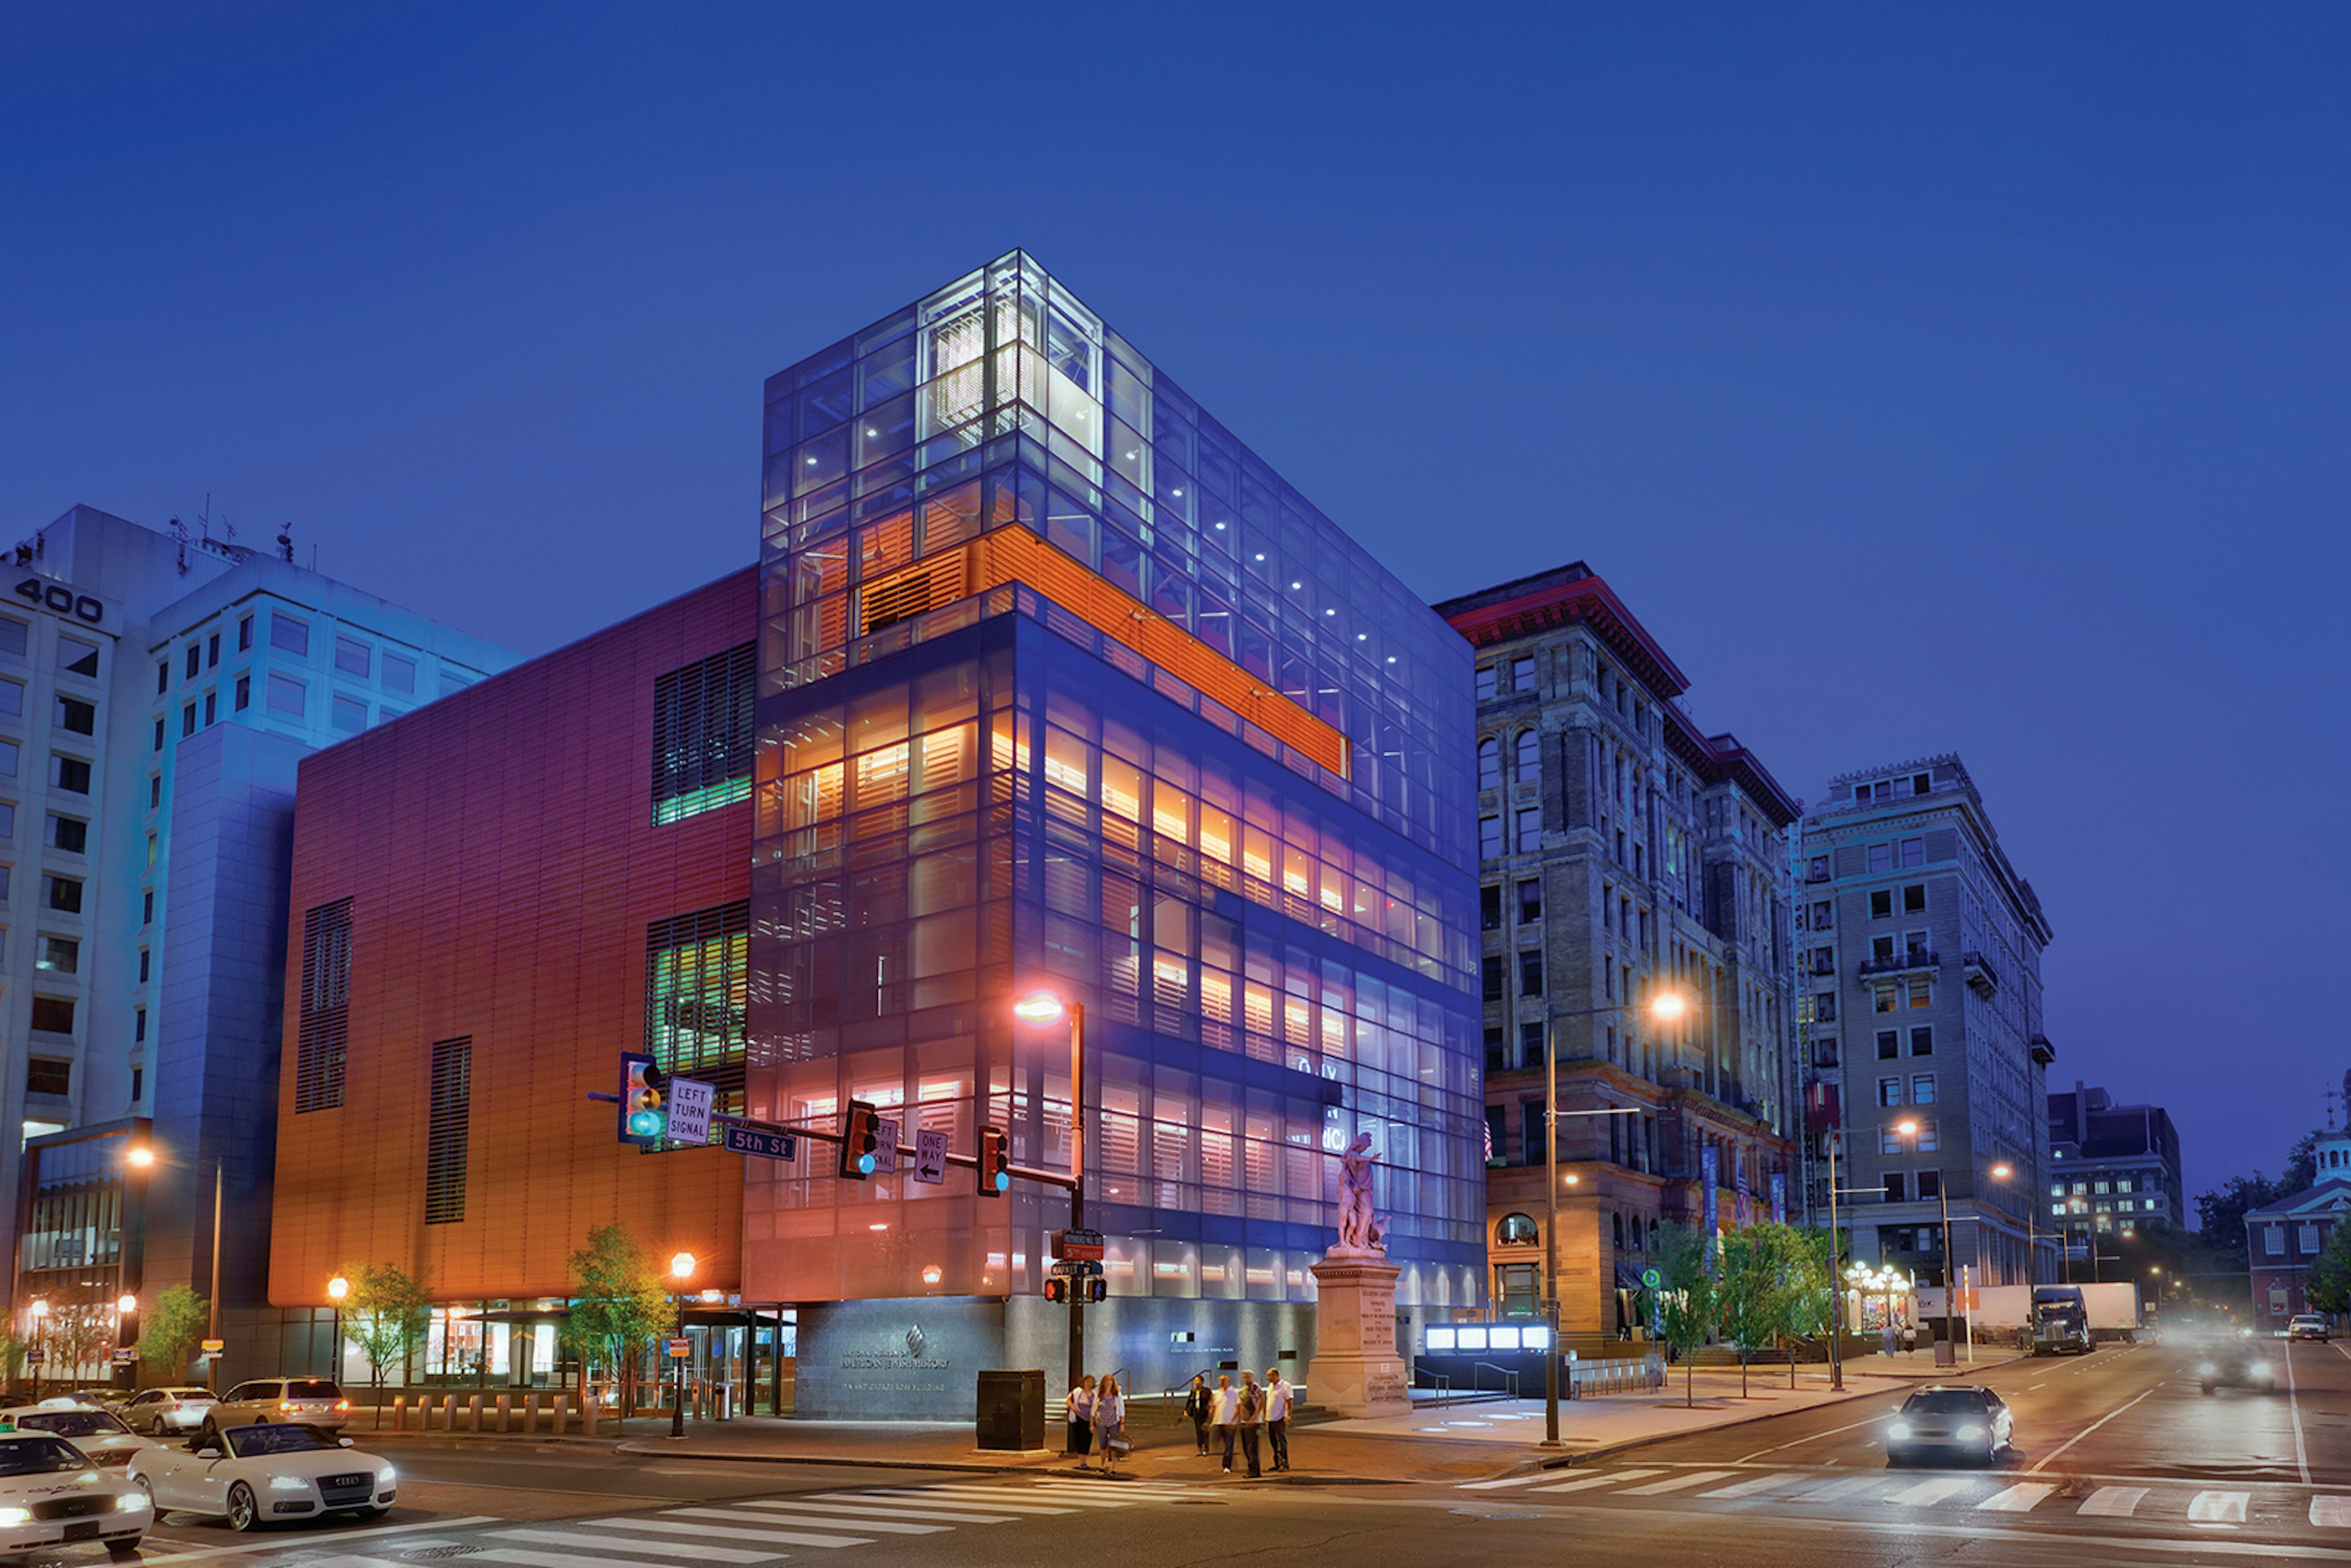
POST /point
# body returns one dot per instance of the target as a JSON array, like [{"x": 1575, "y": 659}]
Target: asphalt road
[{"x": 2120, "y": 1459}]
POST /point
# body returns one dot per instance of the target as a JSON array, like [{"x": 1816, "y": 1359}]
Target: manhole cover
[
  {"x": 434, "y": 1553},
  {"x": 1198, "y": 1502}
]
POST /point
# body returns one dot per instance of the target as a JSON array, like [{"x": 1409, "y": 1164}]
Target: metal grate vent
[
  {"x": 703, "y": 733},
  {"x": 447, "y": 1133},
  {"x": 326, "y": 1004}
]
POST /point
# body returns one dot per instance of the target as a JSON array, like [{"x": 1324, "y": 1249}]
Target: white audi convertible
[{"x": 261, "y": 1474}]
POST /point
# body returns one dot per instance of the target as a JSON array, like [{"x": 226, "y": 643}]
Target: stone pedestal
[{"x": 1355, "y": 1370}]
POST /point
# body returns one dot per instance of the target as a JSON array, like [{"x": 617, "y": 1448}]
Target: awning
[{"x": 1627, "y": 1278}]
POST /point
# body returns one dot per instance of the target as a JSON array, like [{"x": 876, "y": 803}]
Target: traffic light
[
  {"x": 994, "y": 1162},
  {"x": 644, "y": 1094},
  {"x": 1057, "y": 1288},
  {"x": 860, "y": 1134},
  {"x": 1097, "y": 1288}
]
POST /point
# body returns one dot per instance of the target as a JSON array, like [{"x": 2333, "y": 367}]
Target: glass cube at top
[{"x": 1060, "y": 683}]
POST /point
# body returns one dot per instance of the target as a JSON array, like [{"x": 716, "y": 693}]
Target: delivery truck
[{"x": 2055, "y": 1320}]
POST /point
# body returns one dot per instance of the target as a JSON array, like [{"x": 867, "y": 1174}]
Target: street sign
[
  {"x": 213, "y": 1347},
  {"x": 35, "y": 1356},
  {"x": 1651, "y": 1279},
  {"x": 769, "y": 1145},
  {"x": 679, "y": 1349},
  {"x": 930, "y": 1157},
  {"x": 1075, "y": 1269},
  {"x": 125, "y": 1354},
  {"x": 886, "y": 1149},
  {"x": 1086, "y": 1245},
  {"x": 689, "y": 1110}
]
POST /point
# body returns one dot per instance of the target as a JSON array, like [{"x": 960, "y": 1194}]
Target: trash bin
[
  {"x": 1946, "y": 1354},
  {"x": 1011, "y": 1411},
  {"x": 722, "y": 1406}
]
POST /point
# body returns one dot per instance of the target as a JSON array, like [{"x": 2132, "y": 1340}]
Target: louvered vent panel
[
  {"x": 326, "y": 1007},
  {"x": 703, "y": 733},
  {"x": 449, "y": 1131}
]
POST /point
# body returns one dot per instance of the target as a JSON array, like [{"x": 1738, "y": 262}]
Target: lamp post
[
  {"x": 337, "y": 1289},
  {"x": 680, "y": 1269},
  {"x": 1836, "y": 1292},
  {"x": 1909, "y": 1129},
  {"x": 126, "y": 1312},
  {"x": 1042, "y": 1007},
  {"x": 1666, "y": 1007},
  {"x": 40, "y": 1310}
]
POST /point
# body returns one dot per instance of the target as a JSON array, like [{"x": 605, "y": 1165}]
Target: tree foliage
[
  {"x": 1689, "y": 1307},
  {"x": 622, "y": 1303},
  {"x": 175, "y": 1324},
  {"x": 2328, "y": 1286},
  {"x": 1771, "y": 1288},
  {"x": 385, "y": 1314}
]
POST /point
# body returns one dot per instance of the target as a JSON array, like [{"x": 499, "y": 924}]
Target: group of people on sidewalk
[
  {"x": 1098, "y": 1420},
  {"x": 1244, "y": 1413}
]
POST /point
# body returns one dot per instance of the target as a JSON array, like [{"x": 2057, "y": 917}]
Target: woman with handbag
[
  {"x": 1199, "y": 1405},
  {"x": 1110, "y": 1424}
]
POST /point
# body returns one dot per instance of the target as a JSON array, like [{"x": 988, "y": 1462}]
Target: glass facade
[{"x": 1061, "y": 684}]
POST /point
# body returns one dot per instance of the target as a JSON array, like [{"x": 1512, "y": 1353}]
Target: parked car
[
  {"x": 167, "y": 1412},
  {"x": 2307, "y": 1325},
  {"x": 312, "y": 1401},
  {"x": 96, "y": 1433},
  {"x": 257, "y": 1474},
  {"x": 1952, "y": 1421},
  {"x": 50, "y": 1494}
]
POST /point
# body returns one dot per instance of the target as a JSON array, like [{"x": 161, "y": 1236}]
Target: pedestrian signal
[
  {"x": 1057, "y": 1290},
  {"x": 645, "y": 1095},
  {"x": 1097, "y": 1288},
  {"x": 994, "y": 1162},
  {"x": 860, "y": 1134}
]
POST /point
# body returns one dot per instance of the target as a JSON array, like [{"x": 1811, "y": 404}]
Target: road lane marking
[
  {"x": 1815, "y": 1438},
  {"x": 1676, "y": 1483},
  {"x": 2018, "y": 1499},
  {"x": 990, "y": 1495},
  {"x": 979, "y": 1498},
  {"x": 1762, "y": 1483},
  {"x": 2059, "y": 1453},
  {"x": 2331, "y": 1512},
  {"x": 1505, "y": 1482},
  {"x": 2112, "y": 1503},
  {"x": 556, "y": 1559},
  {"x": 374, "y": 1533},
  {"x": 1608, "y": 1479},
  {"x": 347, "y": 1562},
  {"x": 886, "y": 1510},
  {"x": 2294, "y": 1408},
  {"x": 696, "y": 1549},
  {"x": 2218, "y": 1508},
  {"x": 742, "y": 1516},
  {"x": 1927, "y": 1494},
  {"x": 1835, "y": 1490},
  {"x": 728, "y": 1533}
]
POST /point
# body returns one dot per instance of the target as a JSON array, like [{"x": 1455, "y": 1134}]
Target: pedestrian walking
[
  {"x": 1225, "y": 1416},
  {"x": 1199, "y": 1405},
  {"x": 1082, "y": 1420},
  {"x": 1110, "y": 1424},
  {"x": 1278, "y": 1396},
  {"x": 1889, "y": 1339},
  {"x": 1252, "y": 1424}
]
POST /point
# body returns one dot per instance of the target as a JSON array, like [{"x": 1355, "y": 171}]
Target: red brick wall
[{"x": 499, "y": 851}]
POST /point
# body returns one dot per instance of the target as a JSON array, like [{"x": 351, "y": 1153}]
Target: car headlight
[
  {"x": 386, "y": 1475},
  {"x": 15, "y": 1516},
  {"x": 1899, "y": 1430},
  {"x": 2206, "y": 1370},
  {"x": 289, "y": 1483},
  {"x": 1972, "y": 1431},
  {"x": 2259, "y": 1369},
  {"x": 129, "y": 1502}
]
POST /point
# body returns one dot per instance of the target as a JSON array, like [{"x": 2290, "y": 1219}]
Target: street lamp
[
  {"x": 337, "y": 1289},
  {"x": 142, "y": 1157},
  {"x": 2001, "y": 1172},
  {"x": 680, "y": 1269},
  {"x": 126, "y": 1308},
  {"x": 1041, "y": 1008},
  {"x": 1666, "y": 1007},
  {"x": 40, "y": 1310}
]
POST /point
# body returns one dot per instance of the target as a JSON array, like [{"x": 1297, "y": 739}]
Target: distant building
[
  {"x": 2284, "y": 1238},
  {"x": 156, "y": 692},
  {"x": 1624, "y": 852},
  {"x": 1919, "y": 947},
  {"x": 2112, "y": 1167}
]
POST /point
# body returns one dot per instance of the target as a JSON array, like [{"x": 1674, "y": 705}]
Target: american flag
[
  {"x": 1746, "y": 1204},
  {"x": 1489, "y": 1143}
]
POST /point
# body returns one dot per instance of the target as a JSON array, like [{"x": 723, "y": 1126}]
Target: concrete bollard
[
  {"x": 400, "y": 1412},
  {"x": 472, "y": 1412},
  {"x": 531, "y": 1413},
  {"x": 504, "y": 1402},
  {"x": 562, "y": 1413},
  {"x": 590, "y": 1410}
]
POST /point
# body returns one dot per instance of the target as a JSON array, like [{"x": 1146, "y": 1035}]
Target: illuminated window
[
  {"x": 702, "y": 734},
  {"x": 697, "y": 969}
]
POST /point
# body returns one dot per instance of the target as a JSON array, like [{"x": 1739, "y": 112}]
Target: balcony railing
[
  {"x": 1902, "y": 962},
  {"x": 2042, "y": 1051},
  {"x": 1981, "y": 973}
]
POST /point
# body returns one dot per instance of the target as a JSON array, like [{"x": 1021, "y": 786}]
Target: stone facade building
[
  {"x": 1919, "y": 958},
  {"x": 1624, "y": 852}
]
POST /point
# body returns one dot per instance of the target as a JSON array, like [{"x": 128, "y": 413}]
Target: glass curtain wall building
[{"x": 1061, "y": 684}]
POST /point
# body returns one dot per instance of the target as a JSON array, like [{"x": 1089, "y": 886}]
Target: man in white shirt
[
  {"x": 1225, "y": 1416},
  {"x": 1278, "y": 1397}
]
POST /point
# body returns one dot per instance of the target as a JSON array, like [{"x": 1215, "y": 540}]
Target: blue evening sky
[{"x": 1926, "y": 379}]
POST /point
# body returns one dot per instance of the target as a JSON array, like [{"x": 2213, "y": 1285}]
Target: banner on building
[
  {"x": 1779, "y": 1197},
  {"x": 1710, "y": 1174},
  {"x": 1742, "y": 1207}
]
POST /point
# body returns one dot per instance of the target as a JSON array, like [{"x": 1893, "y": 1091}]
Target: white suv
[{"x": 303, "y": 1401}]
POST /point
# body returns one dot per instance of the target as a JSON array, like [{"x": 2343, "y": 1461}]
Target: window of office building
[
  {"x": 53, "y": 1015},
  {"x": 1485, "y": 681},
  {"x": 349, "y": 713},
  {"x": 1889, "y": 1091},
  {"x": 70, "y": 834},
  {"x": 1530, "y": 902},
  {"x": 49, "y": 1075},
  {"x": 447, "y": 1131},
  {"x": 1922, "y": 1088},
  {"x": 697, "y": 996},
  {"x": 77, "y": 717},
  {"x": 1922, "y": 1040},
  {"x": 244, "y": 696},
  {"x": 325, "y": 1008},
  {"x": 60, "y": 953},
  {"x": 1489, "y": 908},
  {"x": 14, "y": 637},
  {"x": 288, "y": 635},
  {"x": 1914, "y": 898},
  {"x": 353, "y": 657},
  {"x": 11, "y": 699},
  {"x": 11, "y": 758},
  {"x": 286, "y": 695},
  {"x": 78, "y": 657},
  {"x": 703, "y": 733},
  {"x": 212, "y": 651},
  {"x": 1531, "y": 971},
  {"x": 1528, "y": 764},
  {"x": 1489, "y": 837},
  {"x": 399, "y": 673},
  {"x": 1530, "y": 829},
  {"x": 196, "y": 657},
  {"x": 244, "y": 635},
  {"x": 1490, "y": 763},
  {"x": 1531, "y": 1045},
  {"x": 61, "y": 892}
]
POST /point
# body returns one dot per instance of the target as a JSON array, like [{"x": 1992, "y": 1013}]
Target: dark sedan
[{"x": 1949, "y": 1422}]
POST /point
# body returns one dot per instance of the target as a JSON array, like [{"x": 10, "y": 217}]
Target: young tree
[
  {"x": 1687, "y": 1298},
  {"x": 385, "y": 1314},
  {"x": 174, "y": 1324},
  {"x": 1772, "y": 1286},
  {"x": 2329, "y": 1283},
  {"x": 622, "y": 1305}
]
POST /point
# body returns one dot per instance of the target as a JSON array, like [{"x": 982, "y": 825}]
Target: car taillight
[
  {"x": 342, "y": 1404},
  {"x": 286, "y": 1405}
]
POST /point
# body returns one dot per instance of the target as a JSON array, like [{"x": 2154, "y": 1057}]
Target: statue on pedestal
[{"x": 1360, "y": 1231}]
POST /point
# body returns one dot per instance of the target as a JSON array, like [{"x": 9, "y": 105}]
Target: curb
[{"x": 961, "y": 1466}]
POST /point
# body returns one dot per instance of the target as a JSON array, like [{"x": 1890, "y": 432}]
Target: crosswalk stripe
[
  {"x": 742, "y": 1516},
  {"x": 1676, "y": 1483},
  {"x": 729, "y": 1532},
  {"x": 1927, "y": 1494},
  {"x": 1127, "y": 1490},
  {"x": 1066, "y": 1499},
  {"x": 2112, "y": 1503},
  {"x": 697, "y": 1549},
  {"x": 2218, "y": 1508},
  {"x": 348, "y": 1562},
  {"x": 1504, "y": 1482},
  {"x": 1835, "y": 1490},
  {"x": 1760, "y": 1483},
  {"x": 977, "y": 1497},
  {"x": 884, "y": 1508},
  {"x": 2018, "y": 1499},
  {"x": 556, "y": 1559},
  {"x": 1609, "y": 1479},
  {"x": 2331, "y": 1512}
]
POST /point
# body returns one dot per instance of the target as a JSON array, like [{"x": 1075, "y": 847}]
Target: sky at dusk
[{"x": 1926, "y": 379}]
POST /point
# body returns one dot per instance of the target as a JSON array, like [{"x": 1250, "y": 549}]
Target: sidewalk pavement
[{"x": 1461, "y": 1442}]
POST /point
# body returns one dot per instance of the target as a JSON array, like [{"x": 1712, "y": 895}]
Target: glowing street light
[
  {"x": 680, "y": 1268},
  {"x": 1039, "y": 1007},
  {"x": 139, "y": 1156}
]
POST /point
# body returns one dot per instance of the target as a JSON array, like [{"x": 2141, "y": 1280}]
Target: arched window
[
  {"x": 1516, "y": 1230},
  {"x": 1490, "y": 763},
  {"x": 1530, "y": 763},
  {"x": 1616, "y": 1222}
]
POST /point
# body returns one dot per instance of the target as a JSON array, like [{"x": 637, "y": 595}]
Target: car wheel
[
  {"x": 375, "y": 1513},
  {"x": 124, "y": 1548},
  {"x": 243, "y": 1513},
  {"x": 2208, "y": 1389}
]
